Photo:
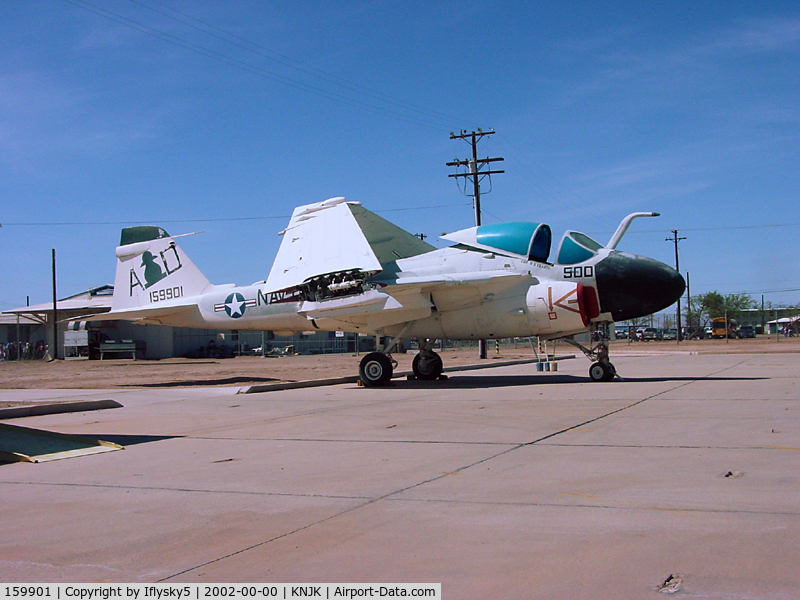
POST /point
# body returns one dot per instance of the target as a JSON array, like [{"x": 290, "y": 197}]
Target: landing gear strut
[{"x": 601, "y": 369}]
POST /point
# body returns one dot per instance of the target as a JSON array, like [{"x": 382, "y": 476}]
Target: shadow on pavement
[
  {"x": 131, "y": 440},
  {"x": 204, "y": 382},
  {"x": 478, "y": 382}
]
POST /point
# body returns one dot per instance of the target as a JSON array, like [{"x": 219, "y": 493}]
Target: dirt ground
[
  {"x": 184, "y": 372},
  {"x": 242, "y": 371}
]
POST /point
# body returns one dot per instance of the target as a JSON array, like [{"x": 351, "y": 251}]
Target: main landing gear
[
  {"x": 601, "y": 369},
  {"x": 376, "y": 368},
  {"x": 427, "y": 365}
]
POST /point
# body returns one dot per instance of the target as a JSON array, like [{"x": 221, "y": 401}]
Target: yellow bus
[{"x": 722, "y": 327}]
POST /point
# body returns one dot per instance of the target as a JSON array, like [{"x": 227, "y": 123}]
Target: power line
[
  {"x": 730, "y": 228},
  {"x": 423, "y": 117},
  {"x": 254, "y": 69},
  {"x": 572, "y": 202},
  {"x": 393, "y": 108},
  {"x": 292, "y": 63},
  {"x": 209, "y": 220}
]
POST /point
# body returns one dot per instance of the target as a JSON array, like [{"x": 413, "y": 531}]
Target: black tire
[
  {"x": 602, "y": 371},
  {"x": 427, "y": 366},
  {"x": 375, "y": 369}
]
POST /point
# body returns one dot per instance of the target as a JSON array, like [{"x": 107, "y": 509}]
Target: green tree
[{"x": 713, "y": 304}]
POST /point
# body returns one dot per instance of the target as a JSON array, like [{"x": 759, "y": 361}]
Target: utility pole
[
  {"x": 675, "y": 239},
  {"x": 474, "y": 165},
  {"x": 476, "y": 175},
  {"x": 55, "y": 311},
  {"x": 689, "y": 300}
]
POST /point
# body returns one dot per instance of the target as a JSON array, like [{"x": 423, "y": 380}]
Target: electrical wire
[
  {"x": 422, "y": 117},
  {"x": 573, "y": 203},
  {"x": 210, "y": 220},
  {"x": 254, "y": 69},
  {"x": 294, "y": 64},
  {"x": 429, "y": 119}
]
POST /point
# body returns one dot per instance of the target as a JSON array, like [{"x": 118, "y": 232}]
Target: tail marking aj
[{"x": 152, "y": 269}]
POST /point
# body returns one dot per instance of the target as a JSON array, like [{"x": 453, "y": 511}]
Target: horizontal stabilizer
[{"x": 156, "y": 314}]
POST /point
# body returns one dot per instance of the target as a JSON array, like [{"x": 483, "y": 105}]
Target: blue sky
[{"x": 222, "y": 116}]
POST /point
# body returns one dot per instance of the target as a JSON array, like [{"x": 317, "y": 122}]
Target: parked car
[
  {"x": 669, "y": 334},
  {"x": 747, "y": 331},
  {"x": 651, "y": 333}
]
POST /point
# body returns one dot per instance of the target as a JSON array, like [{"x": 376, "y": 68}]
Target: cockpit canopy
[
  {"x": 576, "y": 248},
  {"x": 530, "y": 241}
]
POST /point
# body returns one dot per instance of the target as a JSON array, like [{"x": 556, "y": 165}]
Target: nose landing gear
[{"x": 601, "y": 369}]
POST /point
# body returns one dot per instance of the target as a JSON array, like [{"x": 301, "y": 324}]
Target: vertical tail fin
[{"x": 152, "y": 268}]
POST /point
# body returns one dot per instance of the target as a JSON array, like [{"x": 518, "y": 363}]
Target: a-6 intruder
[{"x": 341, "y": 267}]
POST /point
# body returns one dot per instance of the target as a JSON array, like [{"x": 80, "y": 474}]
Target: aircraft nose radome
[{"x": 631, "y": 286}]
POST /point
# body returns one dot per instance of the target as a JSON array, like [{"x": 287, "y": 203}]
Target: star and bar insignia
[{"x": 235, "y": 305}]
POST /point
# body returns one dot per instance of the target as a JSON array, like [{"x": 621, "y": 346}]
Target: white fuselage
[{"x": 521, "y": 298}]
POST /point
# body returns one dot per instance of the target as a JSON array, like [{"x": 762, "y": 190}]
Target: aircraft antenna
[{"x": 476, "y": 174}]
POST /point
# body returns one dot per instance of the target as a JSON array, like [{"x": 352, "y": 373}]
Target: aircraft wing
[
  {"x": 337, "y": 236},
  {"x": 462, "y": 290},
  {"x": 413, "y": 298}
]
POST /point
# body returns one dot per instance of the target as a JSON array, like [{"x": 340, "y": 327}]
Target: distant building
[
  {"x": 83, "y": 339},
  {"x": 761, "y": 319}
]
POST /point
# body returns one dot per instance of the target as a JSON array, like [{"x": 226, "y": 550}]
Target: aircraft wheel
[
  {"x": 375, "y": 369},
  {"x": 602, "y": 371},
  {"x": 427, "y": 366}
]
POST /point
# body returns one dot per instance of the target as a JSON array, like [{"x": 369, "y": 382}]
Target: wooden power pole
[
  {"x": 675, "y": 239},
  {"x": 475, "y": 173}
]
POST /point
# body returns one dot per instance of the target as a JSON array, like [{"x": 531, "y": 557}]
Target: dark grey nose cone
[{"x": 631, "y": 286}]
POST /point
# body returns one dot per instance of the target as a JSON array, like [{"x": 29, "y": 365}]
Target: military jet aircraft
[{"x": 341, "y": 267}]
